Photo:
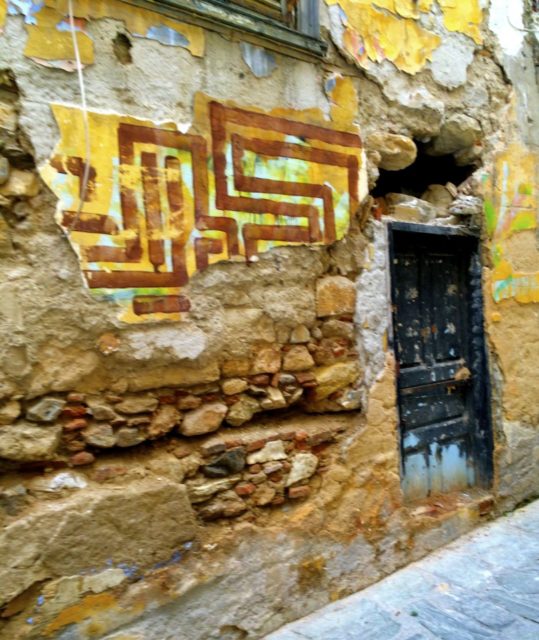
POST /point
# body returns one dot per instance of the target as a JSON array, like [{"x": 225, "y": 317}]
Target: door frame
[{"x": 482, "y": 433}]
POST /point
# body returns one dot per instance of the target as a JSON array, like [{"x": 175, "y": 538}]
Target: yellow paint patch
[
  {"x": 512, "y": 208},
  {"x": 88, "y": 607},
  {"x": 344, "y": 100},
  {"x": 372, "y": 34},
  {"x": 48, "y": 39},
  {"x": 465, "y": 17},
  {"x": 3, "y": 13},
  {"x": 46, "y": 42}
]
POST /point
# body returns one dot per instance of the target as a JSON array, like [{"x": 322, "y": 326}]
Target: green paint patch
[{"x": 490, "y": 216}]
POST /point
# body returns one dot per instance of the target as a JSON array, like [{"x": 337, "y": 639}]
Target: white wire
[{"x": 86, "y": 174}]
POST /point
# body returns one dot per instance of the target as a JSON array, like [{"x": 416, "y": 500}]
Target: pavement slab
[{"x": 483, "y": 586}]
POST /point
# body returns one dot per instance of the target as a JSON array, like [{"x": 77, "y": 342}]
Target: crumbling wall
[{"x": 198, "y": 422}]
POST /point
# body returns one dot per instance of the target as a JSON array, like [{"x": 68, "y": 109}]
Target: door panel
[{"x": 440, "y": 372}]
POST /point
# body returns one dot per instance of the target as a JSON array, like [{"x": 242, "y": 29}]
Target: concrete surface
[{"x": 484, "y": 585}]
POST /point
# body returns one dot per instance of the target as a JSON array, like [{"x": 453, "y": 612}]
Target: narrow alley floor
[{"x": 484, "y": 585}]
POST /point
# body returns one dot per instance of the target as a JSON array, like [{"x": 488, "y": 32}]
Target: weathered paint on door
[{"x": 439, "y": 345}]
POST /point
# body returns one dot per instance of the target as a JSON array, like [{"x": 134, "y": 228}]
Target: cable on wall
[{"x": 82, "y": 88}]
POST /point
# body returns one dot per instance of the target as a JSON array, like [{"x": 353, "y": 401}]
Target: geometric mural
[{"x": 162, "y": 204}]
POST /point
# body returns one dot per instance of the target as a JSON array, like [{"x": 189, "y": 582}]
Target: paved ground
[{"x": 483, "y": 586}]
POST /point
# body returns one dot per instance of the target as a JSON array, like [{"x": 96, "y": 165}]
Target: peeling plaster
[{"x": 261, "y": 62}]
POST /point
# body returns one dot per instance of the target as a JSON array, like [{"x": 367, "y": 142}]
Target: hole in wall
[
  {"x": 121, "y": 45},
  {"x": 426, "y": 170}
]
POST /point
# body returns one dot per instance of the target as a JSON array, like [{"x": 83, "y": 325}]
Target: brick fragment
[
  {"x": 82, "y": 458},
  {"x": 76, "y": 425},
  {"x": 245, "y": 489},
  {"x": 298, "y": 493}
]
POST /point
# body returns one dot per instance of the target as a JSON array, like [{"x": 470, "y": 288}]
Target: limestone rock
[
  {"x": 141, "y": 523},
  {"x": 129, "y": 437},
  {"x": 300, "y": 335},
  {"x": 205, "y": 490},
  {"x": 242, "y": 411},
  {"x": 408, "y": 208},
  {"x": 335, "y": 295},
  {"x": 466, "y": 206},
  {"x": 9, "y": 411},
  {"x": 349, "y": 400},
  {"x": 137, "y": 404},
  {"x": 45, "y": 410},
  {"x": 274, "y": 399},
  {"x": 205, "y": 419},
  {"x": 338, "y": 329},
  {"x": 396, "y": 152},
  {"x": 273, "y": 450},
  {"x": 439, "y": 196},
  {"x": 232, "y": 461},
  {"x": 100, "y": 410},
  {"x": 303, "y": 467},
  {"x": 298, "y": 358},
  {"x": 167, "y": 465},
  {"x": 267, "y": 360},
  {"x": 458, "y": 132},
  {"x": 333, "y": 377},
  {"x": 100, "y": 435},
  {"x": 233, "y": 386},
  {"x": 163, "y": 421},
  {"x": 263, "y": 495},
  {"x": 20, "y": 184},
  {"x": 223, "y": 509},
  {"x": 188, "y": 402},
  {"x": 25, "y": 442}
]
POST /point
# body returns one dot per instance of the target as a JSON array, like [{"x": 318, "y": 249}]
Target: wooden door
[{"x": 439, "y": 346}]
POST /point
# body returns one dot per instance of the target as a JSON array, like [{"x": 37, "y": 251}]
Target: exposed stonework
[{"x": 211, "y": 448}]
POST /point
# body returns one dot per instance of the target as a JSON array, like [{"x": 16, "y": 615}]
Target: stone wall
[{"x": 198, "y": 421}]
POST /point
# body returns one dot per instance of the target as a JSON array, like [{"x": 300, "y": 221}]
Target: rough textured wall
[{"x": 198, "y": 423}]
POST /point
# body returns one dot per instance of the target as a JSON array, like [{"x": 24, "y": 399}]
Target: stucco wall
[{"x": 215, "y": 383}]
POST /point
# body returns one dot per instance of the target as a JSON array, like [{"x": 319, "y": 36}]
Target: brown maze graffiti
[
  {"x": 222, "y": 118},
  {"x": 227, "y": 124}
]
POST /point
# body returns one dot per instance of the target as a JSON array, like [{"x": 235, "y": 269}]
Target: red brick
[
  {"x": 255, "y": 468},
  {"x": 82, "y": 458},
  {"x": 277, "y": 501},
  {"x": 74, "y": 411},
  {"x": 296, "y": 493},
  {"x": 76, "y": 425},
  {"x": 255, "y": 445},
  {"x": 260, "y": 380},
  {"x": 167, "y": 399},
  {"x": 106, "y": 473},
  {"x": 245, "y": 489},
  {"x": 301, "y": 436}
]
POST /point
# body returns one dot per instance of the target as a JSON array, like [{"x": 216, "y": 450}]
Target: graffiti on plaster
[
  {"x": 371, "y": 31},
  {"x": 162, "y": 204},
  {"x": 50, "y": 42},
  {"x": 512, "y": 210}
]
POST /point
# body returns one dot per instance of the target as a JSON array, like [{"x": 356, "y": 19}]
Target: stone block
[
  {"x": 100, "y": 435},
  {"x": 163, "y": 421},
  {"x": 333, "y": 377},
  {"x": 298, "y": 358},
  {"x": 20, "y": 184},
  {"x": 137, "y": 404},
  {"x": 335, "y": 296},
  {"x": 267, "y": 360},
  {"x": 25, "y": 442},
  {"x": 273, "y": 450},
  {"x": 396, "y": 152},
  {"x": 141, "y": 524},
  {"x": 242, "y": 411},
  {"x": 9, "y": 411},
  {"x": 303, "y": 467},
  {"x": 45, "y": 410},
  {"x": 205, "y": 419}
]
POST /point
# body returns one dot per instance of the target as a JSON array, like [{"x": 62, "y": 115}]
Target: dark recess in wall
[{"x": 426, "y": 170}]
